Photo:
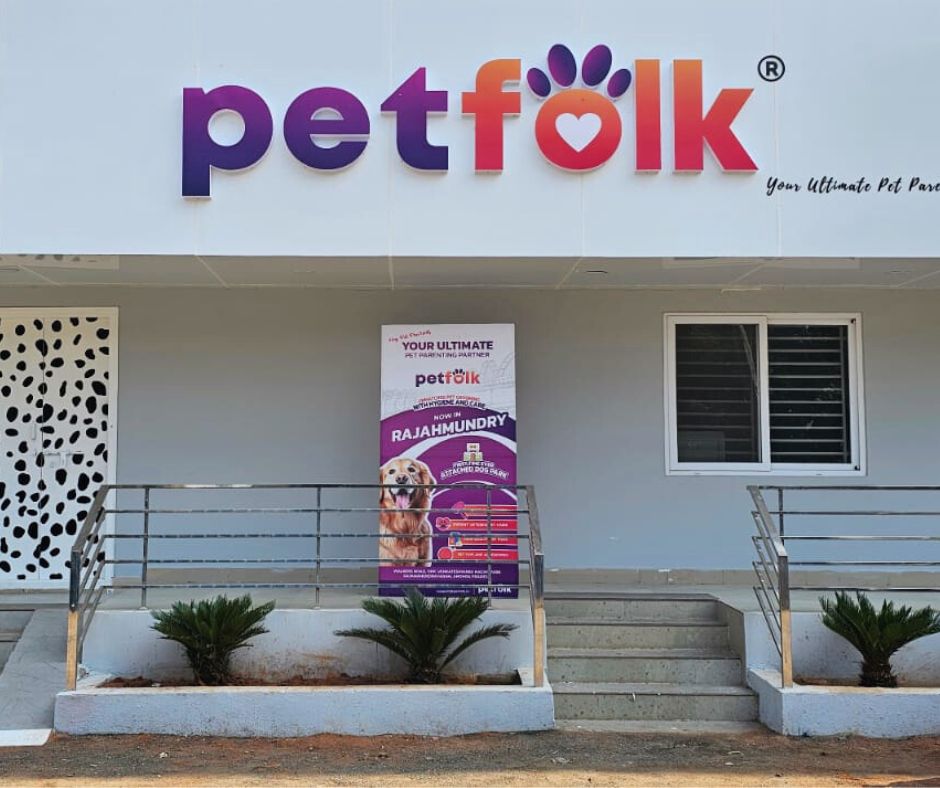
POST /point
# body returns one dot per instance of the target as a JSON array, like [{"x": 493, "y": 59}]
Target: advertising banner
[{"x": 448, "y": 417}]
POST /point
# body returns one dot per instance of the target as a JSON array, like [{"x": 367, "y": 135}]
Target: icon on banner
[{"x": 473, "y": 453}]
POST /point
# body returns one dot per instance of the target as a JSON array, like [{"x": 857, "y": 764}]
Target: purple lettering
[
  {"x": 411, "y": 102},
  {"x": 201, "y": 152},
  {"x": 301, "y": 126}
]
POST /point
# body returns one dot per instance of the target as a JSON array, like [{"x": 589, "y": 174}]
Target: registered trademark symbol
[{"x": 771, "y": 68}]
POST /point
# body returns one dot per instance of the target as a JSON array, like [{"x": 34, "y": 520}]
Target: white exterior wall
[
  {"x": 280, "y": 385},
  {"x": 108, "y": 77}
]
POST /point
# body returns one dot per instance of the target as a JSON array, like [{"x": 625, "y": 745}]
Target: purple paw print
[{"x": 564, "y": 70}]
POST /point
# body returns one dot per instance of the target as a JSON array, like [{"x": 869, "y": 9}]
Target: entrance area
[{"x": 58, "y": 394}]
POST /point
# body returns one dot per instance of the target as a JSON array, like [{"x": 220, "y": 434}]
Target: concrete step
[
  {"x": 649, "y": 701},
  {"x": 631, "y": 608},
  {"x": 599, "y": 633},
  {"x": 14, "y": 620},
  {"x": 687, "y": 727},
  {"x": 670, "y": 665},
  {"x": 38, "y": 600},
  {"x": 6, "y": 648}
]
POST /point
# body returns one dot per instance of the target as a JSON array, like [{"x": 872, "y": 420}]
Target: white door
[{"x": 58, "y": 395}]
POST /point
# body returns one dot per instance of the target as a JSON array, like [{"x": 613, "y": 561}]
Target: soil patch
[
  {"x": 552, "y": 759},
  {"x": 819, "y": 681}
]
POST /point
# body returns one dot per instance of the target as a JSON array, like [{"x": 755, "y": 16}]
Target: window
[{"x": 763, "y": 393}]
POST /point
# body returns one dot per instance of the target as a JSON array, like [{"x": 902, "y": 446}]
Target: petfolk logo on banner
[
  {"x": 456, "y": 377},
  {"x": 577, "y": 124}
]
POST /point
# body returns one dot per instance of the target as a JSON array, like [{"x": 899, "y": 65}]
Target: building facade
[{"x": 713, "y": 227}]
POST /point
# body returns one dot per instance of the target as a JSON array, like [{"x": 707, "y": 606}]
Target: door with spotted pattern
[{"x": 58, "y": 394}]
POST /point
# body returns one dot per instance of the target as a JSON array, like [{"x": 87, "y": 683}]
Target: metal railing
[
  {"x": 774, "y": 562},
  {"x": 772, "y": 568},
  {"x": 95, "y": 555}
]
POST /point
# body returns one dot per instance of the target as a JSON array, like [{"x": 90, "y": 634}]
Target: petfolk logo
[
  {"x": 456, "y": 377},
  {"x": 577, "y": 127}
]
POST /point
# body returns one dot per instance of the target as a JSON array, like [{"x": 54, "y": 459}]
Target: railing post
[
  {"x": 146, "y": 550},
  {"x": 536, "y": 570},
  {"x": 782, "y": 565},
  {"x": 71, "y": 644},
  {"x": 489, "y": 544},
  {"x": 536, "y": 589},
  {"x": 316, "y": 579},
  {"x": 786, "y": 629}
]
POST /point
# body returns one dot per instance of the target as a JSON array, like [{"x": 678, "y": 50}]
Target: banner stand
[{"x": 448, "y": 417}]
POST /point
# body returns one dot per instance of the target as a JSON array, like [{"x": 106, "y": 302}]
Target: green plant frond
[
  {"x": 929, "y": 619},
  {"x": 461, "y": 615},
  {"x": 483, "y": 633},
  {"x": 382, "y": 637},
  {"x": 437, "y": 642},
  {"x": 877, "y": 635},
  {"x": 211, "y": 630},
  {"x": 386, "y": 609},
  {"x": 903, "y": 625},
  {"x": 856, "y": 622},
  {"x": 413, "y": 631},
  {"x": 414, "y": 607},
  {"x": 422, "y": 631}
]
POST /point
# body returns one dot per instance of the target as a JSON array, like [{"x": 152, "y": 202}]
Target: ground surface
[{"x": 555, "y": 758}]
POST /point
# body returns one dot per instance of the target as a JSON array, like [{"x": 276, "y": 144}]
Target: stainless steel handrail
[
  {"x": 772, "y": 567},
  {"x": 92, "y": 552},
  {"x": 536, "y": 588},
  {"x": 773, "y": 590}
]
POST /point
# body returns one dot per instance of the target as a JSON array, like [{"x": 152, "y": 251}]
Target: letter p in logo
[{"x": 201, "y": 152}]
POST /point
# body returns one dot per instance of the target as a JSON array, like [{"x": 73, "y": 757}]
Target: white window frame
[{"x": 857, "y": 467}]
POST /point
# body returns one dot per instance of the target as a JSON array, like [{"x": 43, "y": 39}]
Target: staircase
[
  {"x": 644, "y": 662},
  {"x": 13, "y": 620}
]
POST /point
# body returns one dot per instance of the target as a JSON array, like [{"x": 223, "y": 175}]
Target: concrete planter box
[
  {"x": 443, "y": 710},
  {"x": 299, "y": 643},
  {"x": 819, "y": 652},
  {"x": 824, "y": 710},
  {"x": 812, "y": 710}
]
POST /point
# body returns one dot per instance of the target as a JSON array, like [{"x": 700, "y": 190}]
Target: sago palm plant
[
  {"x": 424, "y": 633},
  {"x": 211, "y": 631},
  {"x": 877, "y": 634}
]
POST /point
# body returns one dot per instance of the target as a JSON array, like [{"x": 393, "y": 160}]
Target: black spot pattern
[{"x": 54, "y": 388}]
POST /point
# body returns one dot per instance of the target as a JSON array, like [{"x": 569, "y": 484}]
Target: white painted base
[
  {"x": 25, "y": 737},
  {"x": 305, "y": 711},
  {"x": 829, "y": 711},
  {"x": 299, "y": 643}
]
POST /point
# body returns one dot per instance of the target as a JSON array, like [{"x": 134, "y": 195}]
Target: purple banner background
[{"x": 423, "y": 434}]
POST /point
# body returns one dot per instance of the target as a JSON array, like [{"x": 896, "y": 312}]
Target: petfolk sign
[
  {"x": 577, "y": 125},
  {"x": 448, "y": 418}
]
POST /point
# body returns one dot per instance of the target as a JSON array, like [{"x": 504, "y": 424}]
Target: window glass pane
[
  {"x": 809, "y": 394},
  {"x": 717, "y": 387}
]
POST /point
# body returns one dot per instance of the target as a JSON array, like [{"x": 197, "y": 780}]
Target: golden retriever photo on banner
[{"x": 405, "y": 536}]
